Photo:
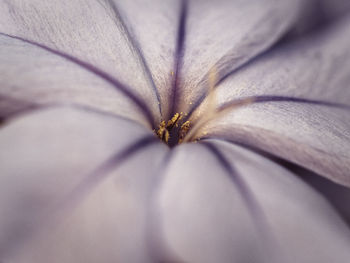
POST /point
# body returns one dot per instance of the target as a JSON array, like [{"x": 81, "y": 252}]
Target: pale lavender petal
[
  {"x": 314, "y": 136},
  {"x": 31, "y": 75},
  {"x": 338, "y": 195},
  {"x": 335, "y": 8},
  {"x": 205, "y": 219},
  {"x": 87, "y": 30},
  {"x": 154, "y": 27},
  {"x": 319, "y": 13},
  {"x": 223, "y": 35},
  {"x": 55, "y": 208}
]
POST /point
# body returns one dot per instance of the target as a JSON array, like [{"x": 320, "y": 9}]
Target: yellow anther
[
  {"x": 173, "y": 120},
  {"x": 185, "y": 127},
  {"x": 162, "y": 132},
  {"x": 178, "y": 130},
  {"x": 166, "y": 136}
]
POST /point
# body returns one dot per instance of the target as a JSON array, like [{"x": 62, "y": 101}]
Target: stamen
[
  {"x": 173, "y": 121},
  {"x": 179, "y": 128},
  {"x": 162, "y": 132},
  {"x": 171, "y": 129},
  {"x": 184, "y": 130}
]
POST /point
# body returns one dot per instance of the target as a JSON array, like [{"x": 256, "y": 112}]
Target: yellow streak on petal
[{"x": 209, "y": 108}]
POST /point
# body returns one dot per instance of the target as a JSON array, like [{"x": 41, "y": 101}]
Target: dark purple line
[
  {"x": 271, "y": 156},
  {"x": 272, "y": 98},
  {"x": 21, "y": 107},
  {"x": 103, "y": 75},
  {"x": 72, "y": 199},
  {"x": 241, "y": 185},
  {"x": 136, "y": 47},
  {"x": 253, "y": 206},
  {"x": 29, "y": 107},
  {"x": 179, "y": 53},
  {"x": 107, "y": 166},
  {"x": 298, "y": 170},
  {"x": 221, "y": 79},
  {"x": 158, "y": 250}
]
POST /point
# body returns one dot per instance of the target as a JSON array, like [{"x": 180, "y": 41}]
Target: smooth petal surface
[
  {"x": 334, "y": 8},
  {"x": 319, "y": 13},
  {"x": 338, "y": 195},
  {"x": 31, "y": 75},
  {"x": 55, "y": 206},
  {"x": 154, "y": 25},
  {"x": 205, "y": 218},
  {"x": 314, "y": 136},
  {"x": 223, "y": 35},
  {"x": 87, "y": 30}
]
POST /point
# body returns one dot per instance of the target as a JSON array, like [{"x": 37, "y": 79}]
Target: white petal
[
  {"x": 205, "y": 218},
  {"x": 54, "y": 208},
  {"x": 31, "y": 75},
  {"x": 154, "y": 25},
  {"x": 314, "y": 136},
  {"x": 319, "y": 13},
  {"x": 223, "y": 35},
  {"x": 87, "y": 30},
  {"x": 335, "y": 8},
  {"x": 338, "y": 195}
]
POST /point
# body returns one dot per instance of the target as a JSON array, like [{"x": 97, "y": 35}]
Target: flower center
[
  {"x": 174, "y": 130},
  {"x": 182, "y": 128}
]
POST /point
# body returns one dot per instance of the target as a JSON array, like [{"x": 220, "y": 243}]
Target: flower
[{"x": 259, "y": 88}]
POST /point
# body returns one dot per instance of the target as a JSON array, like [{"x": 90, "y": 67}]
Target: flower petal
[
  {"x": 223, "y": 35},
  {"x": 54, "y": 207},
  {"x": 86, "y": 30},
  {"x": 338, "y": 195},
  {"x": 154, "y": 26},
  {"x": 335, "y": 8},
  {"x": 319, "y": 13},
  {"x": 33, "y": 76},
  {"x": 205, "y": 217},
  {"x": 314, "y": 136}
]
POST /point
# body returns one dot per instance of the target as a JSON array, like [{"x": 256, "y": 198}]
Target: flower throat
[
  {"x": 179, "y": 128},
  {"x": 174, "y": 131}
]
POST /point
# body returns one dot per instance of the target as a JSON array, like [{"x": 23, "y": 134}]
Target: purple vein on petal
[
  {"x": 155, "y": 237},
  {"x": 17, "y": 107},
  {"x": 269, "y": 155},
  {"x": 270, "y": 98},
  {"x": 298, "y": 170},
  {"x": 257, "y": 214},
  {"x": 98, "y": 72},
  {"x": 134, "y": 45},
  {"x": 242, "y": 187},
  {"x": 221, "y": 78},
  {"x": 73, "y": 199},
  {"x": 27, "y": 107},
  {"x": 273, "y": 98},
  {"x": 179, "y": 54},
  {"x": 102, "y": 171}
]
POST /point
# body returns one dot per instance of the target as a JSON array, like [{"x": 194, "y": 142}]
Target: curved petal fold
[
  {"x": 205, "y": 219},
  {"x": 314, "y": 136},
  {"x": 32, "y": 76},
  {"x": 223, "y": 35},
  {"x": 87, "y": 30},
  {"x": 55, "y": 206}
]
